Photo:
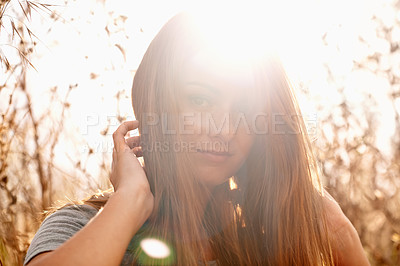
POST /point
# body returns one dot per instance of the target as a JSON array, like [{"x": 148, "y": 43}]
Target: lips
[
  {"x": 214, "y": 152},
  {"x": 214, "y": 156}
]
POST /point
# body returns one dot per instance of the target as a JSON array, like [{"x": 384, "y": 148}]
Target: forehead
[{"x": 221, "y": 72}]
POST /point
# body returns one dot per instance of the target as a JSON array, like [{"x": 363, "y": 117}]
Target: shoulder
[
  {"x": 336, "y": 219},
  {"x": 343, "y": 236},
  {"x": 74, "y": 214},
  {"x": 82, "y": 211},
  {"x": 58, "y": 227}
]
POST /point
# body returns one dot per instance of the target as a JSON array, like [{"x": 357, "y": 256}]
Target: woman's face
[{"x": 217, "y": 112}]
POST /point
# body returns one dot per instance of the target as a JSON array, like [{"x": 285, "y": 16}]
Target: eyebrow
[{"x": 206, "y": 86}]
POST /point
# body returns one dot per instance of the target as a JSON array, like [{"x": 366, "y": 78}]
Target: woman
[{"x": 229, "y": 177}]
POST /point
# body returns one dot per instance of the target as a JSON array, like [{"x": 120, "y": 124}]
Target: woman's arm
[
  {"x": 346, "y": 244},
  {"x": 103, "y": 241}
]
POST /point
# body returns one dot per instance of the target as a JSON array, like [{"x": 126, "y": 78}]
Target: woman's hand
[
  {"x": 103, "y": 241},
  {"x": 127, "y": 175},
  {"x": 346, "y": 244}
]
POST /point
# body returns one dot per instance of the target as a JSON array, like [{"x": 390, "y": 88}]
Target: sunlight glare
[
  {"x": 232, "y": 184},
  {"x": 241, "y": 32},
  {"x": 155, "y": 248}
]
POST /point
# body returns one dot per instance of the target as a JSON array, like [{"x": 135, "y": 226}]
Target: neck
[{"x": 204, "y": 198}]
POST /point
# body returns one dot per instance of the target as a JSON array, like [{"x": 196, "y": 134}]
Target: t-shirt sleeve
[{"x": 58, "y": 228}]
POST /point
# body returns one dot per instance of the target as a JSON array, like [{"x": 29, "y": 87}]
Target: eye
[{"x": 200, "y": 101}]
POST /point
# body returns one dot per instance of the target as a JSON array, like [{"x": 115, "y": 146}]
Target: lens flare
[{"x": 155, "y": 248}]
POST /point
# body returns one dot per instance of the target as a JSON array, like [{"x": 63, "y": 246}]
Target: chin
[{"x": 214, "y": 180}]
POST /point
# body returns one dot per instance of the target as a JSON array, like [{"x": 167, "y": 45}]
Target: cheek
[
  {"x": 190, "y": 123},
  {"x": 245, "y": 141}
]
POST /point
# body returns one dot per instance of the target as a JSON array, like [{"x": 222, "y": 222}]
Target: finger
[
  {"x": 114, "y": 155},
  {"x": 113, "y": 162},
  {"x": 119, "y": 134},
  {"x": 133, "y": 141},
  {"x": 112, "y": 171},
  {"x": 138, "y": 151}
]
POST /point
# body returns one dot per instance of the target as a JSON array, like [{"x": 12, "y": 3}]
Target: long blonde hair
[{"x": 274, "y": 217}]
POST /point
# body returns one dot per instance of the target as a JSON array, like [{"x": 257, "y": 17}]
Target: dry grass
[
  {"x": 357, "y": 173},
  {"x": 17, "y": 26}
]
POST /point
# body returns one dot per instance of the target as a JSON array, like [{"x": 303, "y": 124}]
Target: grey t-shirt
[{"x": 62, "y": 225}]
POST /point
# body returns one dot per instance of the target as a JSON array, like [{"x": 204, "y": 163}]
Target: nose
[{"x": 220, "y": 126}]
